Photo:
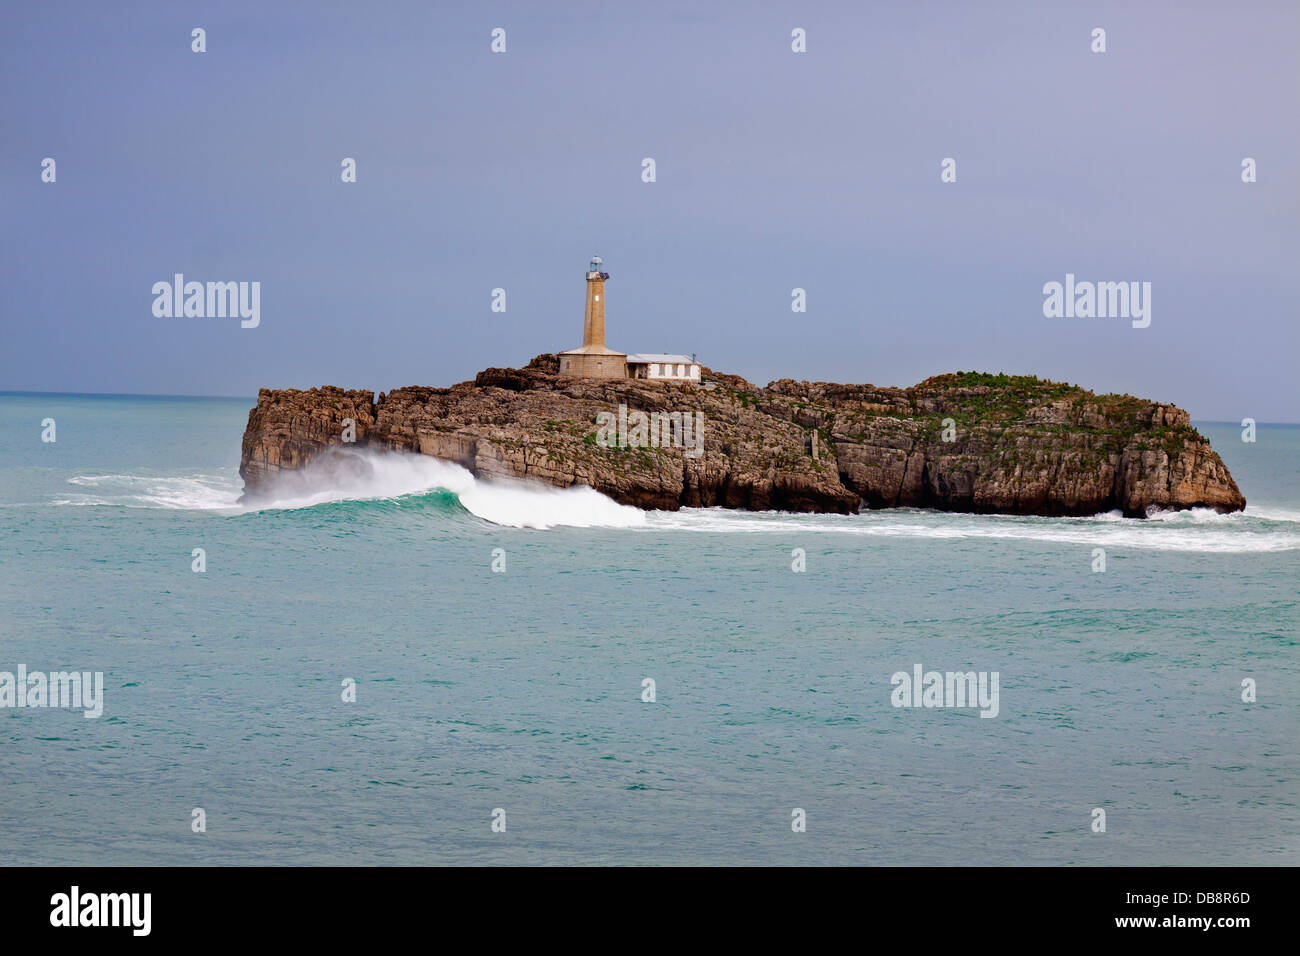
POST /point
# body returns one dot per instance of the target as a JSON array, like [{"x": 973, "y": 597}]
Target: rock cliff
[{"x": 958, "y": 442}]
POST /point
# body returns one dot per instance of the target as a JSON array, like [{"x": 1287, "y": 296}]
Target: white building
[{"x": 681, "y": 368}]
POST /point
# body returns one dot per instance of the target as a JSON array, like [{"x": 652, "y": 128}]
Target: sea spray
[
  {"x": 391, "y": 475},
  {"x": 358, "y": 475}
]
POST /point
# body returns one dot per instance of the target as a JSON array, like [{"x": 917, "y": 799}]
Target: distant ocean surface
[{"x": 522, "y": 690}]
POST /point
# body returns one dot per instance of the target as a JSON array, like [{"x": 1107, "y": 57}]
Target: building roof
[
  {"x": 592, "y": 350},
  {"x": 645, "y": 358}
]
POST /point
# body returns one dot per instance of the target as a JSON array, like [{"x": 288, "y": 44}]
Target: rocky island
[{"x": 964, "y": 441}]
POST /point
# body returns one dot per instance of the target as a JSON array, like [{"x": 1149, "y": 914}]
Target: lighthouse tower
[
  {"x": 593, "y": 359},
  {"x": 593, "y": 319}
]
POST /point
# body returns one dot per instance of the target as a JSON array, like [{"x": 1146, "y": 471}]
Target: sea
[{"x": 418, "y": 667}]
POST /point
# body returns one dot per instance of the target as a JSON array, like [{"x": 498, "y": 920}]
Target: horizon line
[{"x": 234, "y": 398}]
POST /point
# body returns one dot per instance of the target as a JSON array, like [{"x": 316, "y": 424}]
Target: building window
[
  {"x": 654, "y": 369},
  {"x": 679, "y": 371},
  {"x": 695, "y": 371}
]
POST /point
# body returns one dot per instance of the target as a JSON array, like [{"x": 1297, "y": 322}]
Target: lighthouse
[
  {"x": 593, "y": 359},
  {"x": 593, "y": 319}
]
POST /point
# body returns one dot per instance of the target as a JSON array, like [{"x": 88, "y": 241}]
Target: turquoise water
[{"x": 522, "y": 690}]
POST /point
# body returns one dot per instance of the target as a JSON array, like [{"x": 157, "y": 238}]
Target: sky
[{"x": 774, "y": 170}]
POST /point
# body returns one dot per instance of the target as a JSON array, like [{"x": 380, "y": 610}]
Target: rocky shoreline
[{"x": 967, "y": 442}]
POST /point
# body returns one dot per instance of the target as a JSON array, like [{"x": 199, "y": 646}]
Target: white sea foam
[
  {"x": 508, "y": 503},
  {"x": 1202, "y": 530},
  {"x": 205, "y": 492},
  {"x": 375, "y": 475},
  {"x": 366, "y": 476}
]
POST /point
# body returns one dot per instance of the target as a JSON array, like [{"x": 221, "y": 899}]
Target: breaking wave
[
  {"x": 363, "y": 476},
  {"x": 357, "y": 476}
]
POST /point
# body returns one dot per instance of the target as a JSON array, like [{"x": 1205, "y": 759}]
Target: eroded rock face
[
  {"x": 290, "y": 428},
  {"x": 960, "y": 442}
]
